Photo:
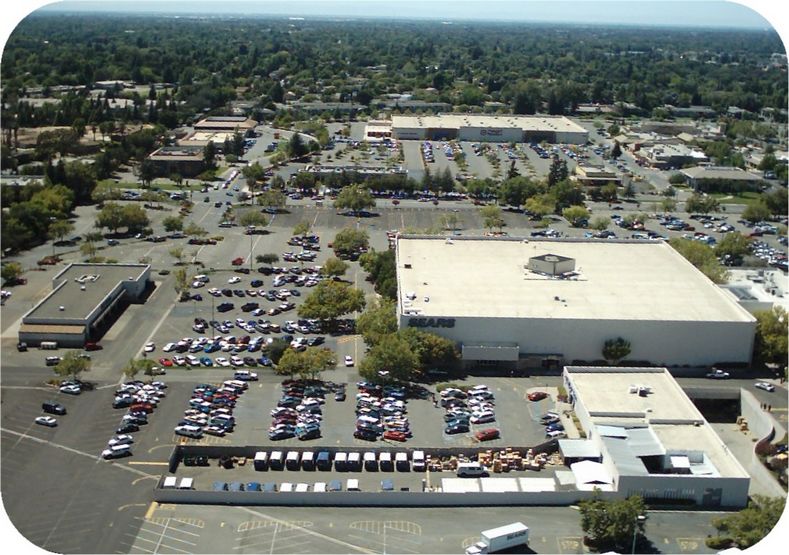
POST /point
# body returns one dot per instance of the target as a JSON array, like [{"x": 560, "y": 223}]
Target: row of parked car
[
  {"x": 381, "y": 412},
  {"x": 298, "y": 412},
  {"x": 464, "y": 408},
  {"x": 211, "y": 409},
  {"x": 140, "y": 399},
  {"x": 553, "y": 426}
]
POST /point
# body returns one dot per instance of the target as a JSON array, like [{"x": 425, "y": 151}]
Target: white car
[
  {"x": 348, "y": 360},
  {"x": 46, "y": 421},
  {"x": 234, "y": 279},
  {"x": 169, "y": 347},
  {"x": 765, "y": 386},
  {"x": 482, "y": 417},
  {"x": 149, "y": 347},
  {"x": 236, "y": 361},
  {"x": 122, "y": 439},
  {"x": 179, "y": 361},
  {"x": 197, "y": 284},
  {"x": 192, "y": 360},
  {"x": 71, "y": 389},
  {"x": 718, "y": 375},
  {"x": 222, "y": 361}
]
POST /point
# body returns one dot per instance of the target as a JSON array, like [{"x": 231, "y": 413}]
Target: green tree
[
  {"x": 11, "y": 272},
  {"x": 331, "y": 299},
  {"x": 354, "y": 198},
  {"x": 380, "y": 267},
  {"x": 135, "y": 218},
  {"x": 756, "y": 212},
  {"x": 567, "y": 194},
  {"x": 253, "y": 174},
  {"x": 668, "y": 204},
  {"x": 296, "y": 147},
  {"x": 307, "y": 364},
  {"x": 252, "y": 218},
  {"x": 302, "y": 228},
  {"x": 449, "y": 221},
  {"x": 676, "y": 179},
  {"x": 615, "y": 350},
  {"x": 777, "y": 201},
  {"x": 733, "y": 244},
  {"x": 349, "y": 241},
  {"x": 558, "y": 171},
  {"x": 111, "y": 216},
  {"x": 194, "y": 230},
  {"x": 701, "y": 204},
  {"x": 173, "y": 223},
  {"x": 277, "y": 348},
  {"x": 770, "y": 345},
  {"x": 608, "y": 192},
  {"x": 378, "y": 320},
  {"x": 702, "y": 257},
  {"x": 749, "y": 526},
  {"x": 181, "y": 278},
  {"x": 88, "y": 249},
  {"x": 612, "y": 524},
  {"x": 616, "y": 151},
  {"x": 576, "y": 215},
  {"x": 131, "y": 369},
  {"x": 60, "y": 229},
  {"x": 177, "y": 252},
  {"x": 334, "y": 267},
  {"x": 273, "y": 199},
  {"x": 491, "y": 217},
  {"x": 209, "y": 155},
  {"x": 541, "y": 205},
  {"x": 390, "y": 360},
  {"x": 72, "y": 365},
  {"x": 147, "y": 172},
  {"x": 601, "y": 223},
  {"x": 432, "y": 351}
]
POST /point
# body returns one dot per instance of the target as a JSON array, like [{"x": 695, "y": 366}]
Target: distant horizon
[{"x": 700, "y": 14}]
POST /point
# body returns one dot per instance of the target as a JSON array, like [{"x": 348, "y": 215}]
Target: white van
[
  {"x": 471, "y": 470},
  {"x": 352, "y": 485},
  {"x": 418, "y": 461}
]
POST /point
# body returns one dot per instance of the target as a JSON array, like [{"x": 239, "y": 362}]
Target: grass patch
[
  {"x": 745, "y": 197},
  {"x": 161, "y": 184}
]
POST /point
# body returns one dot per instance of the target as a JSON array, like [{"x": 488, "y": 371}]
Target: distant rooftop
[
  {"x": 720, "y": 172},
  {"x": 456, "y": 121}
]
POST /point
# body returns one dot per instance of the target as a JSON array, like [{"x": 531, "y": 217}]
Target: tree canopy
[
  {"x": 612, "y": 525},
  {"x": 354, "y": 198},
  {"x": 331, "y": 299},
  {"x": 702, "y": 257}
]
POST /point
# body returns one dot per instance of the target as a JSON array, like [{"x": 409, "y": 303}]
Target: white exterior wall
[
  {"x": 660, "y": 343},
  {"x": 734, "y": 491},
  {"x": 491, "y": 134}
]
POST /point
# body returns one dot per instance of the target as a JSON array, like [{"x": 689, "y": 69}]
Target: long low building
[
  {"x": 645, "y": 437},
  {"x": 488, "y": 128},
  {"x": 515, "y": 303},
  {"x": 85, "y": 301}
]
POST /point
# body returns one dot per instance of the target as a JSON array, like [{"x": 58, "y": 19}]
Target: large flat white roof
[
  {"x": 456, "y": 121},
  {"x": 616, "y": 280}
]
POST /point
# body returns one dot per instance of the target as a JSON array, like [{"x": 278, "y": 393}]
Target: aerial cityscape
[{"x": 362, "y": 277}]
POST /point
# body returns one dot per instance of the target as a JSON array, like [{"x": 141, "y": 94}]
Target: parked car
[
  {"x": 717, "y": 374},
  {"x": 765, "y": 386},
  {"x": 395, "y": 435},
  {"x": 457, "y": 429},
  {"x": 537, "y": 396},
  {"x": 46, "y": 421},
  {"x": 487, "y": 434}
]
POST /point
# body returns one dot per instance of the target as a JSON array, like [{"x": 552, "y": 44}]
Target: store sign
[
  {"x": 490, "y": 132},
  {"x": 431, "y": 322}
]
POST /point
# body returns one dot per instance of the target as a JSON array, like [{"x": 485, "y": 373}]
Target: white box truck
[{"x": 499, "y": 539}]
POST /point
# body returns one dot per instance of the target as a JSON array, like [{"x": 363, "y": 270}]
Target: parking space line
[{"x": 166, "y": 526}]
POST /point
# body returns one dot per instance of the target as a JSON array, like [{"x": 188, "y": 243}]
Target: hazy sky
[{"x": 701, "y": 13}]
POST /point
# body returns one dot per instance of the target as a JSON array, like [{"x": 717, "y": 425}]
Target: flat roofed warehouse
[
  {"x": 84, "y": 302},
  {"x": 481, "y": 128},
  {"x": 517, "y": 300}
]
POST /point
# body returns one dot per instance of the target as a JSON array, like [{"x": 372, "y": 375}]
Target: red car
[
  {"x": 237, "y": 261},
  {"x": 537, "y": 396},
  {"x": 165, "y": 362},
  {"x": 143, "y": 407},
  {"x": 488, "y": 434},
  {"x": 395, "y": 435}
]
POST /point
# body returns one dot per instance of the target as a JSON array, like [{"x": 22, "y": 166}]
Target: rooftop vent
[
  {"x": 61, "y": 308},
  {"x": 551, "y": 264}
]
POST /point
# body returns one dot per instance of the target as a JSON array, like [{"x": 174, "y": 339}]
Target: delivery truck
[{"x": 499, "y": 539}]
